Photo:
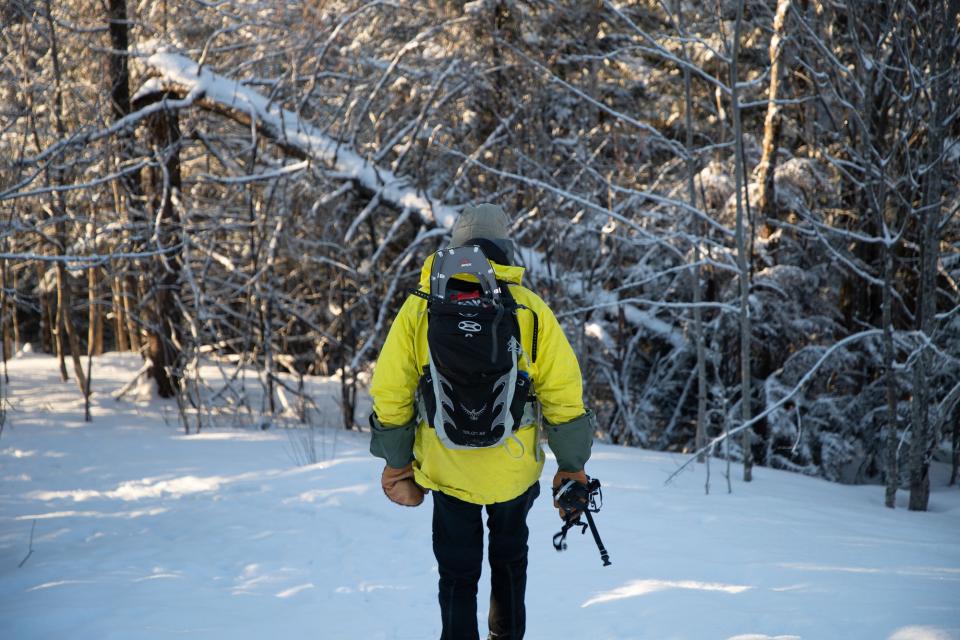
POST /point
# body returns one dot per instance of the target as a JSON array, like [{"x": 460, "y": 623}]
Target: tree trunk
[
  {"x": 892, "y": 441},
  {"x": 95, "y": 314},
  {"x": 119, "y": 316},
  {"x": 773, "y": 122},
  {"x": 742, "y": 257},
  {"x": 700, "y": 439},
  {"x": 129, "y": 195},
  {"x": 926, "y": 434},
  {"x": 56, "y": 201},
  {"x": 58, "y": 204},
  {"x": 57, "y": 330},
  {"x": 47, "y": 325},
  {"x": 347, "y": 339},
  {"x": 65, "y": 323},
  {"x": 95, "y": 325},
  {"x": 15, "y": 317},
  {"x": 955, "y": 458},
  {"x": 162, "y": 275},
  {"x": 812, "y": 108},
  {"x": 164, "y": 330},
  {"x": 5, "y": 341}
]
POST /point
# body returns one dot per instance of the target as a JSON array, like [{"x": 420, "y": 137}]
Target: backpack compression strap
[{"x": 469, "y": 259}]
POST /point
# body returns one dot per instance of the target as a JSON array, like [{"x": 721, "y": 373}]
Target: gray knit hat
[{"x": 483, "y": 221}]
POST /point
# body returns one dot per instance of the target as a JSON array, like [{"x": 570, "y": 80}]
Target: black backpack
[{"x": 472, "y": 391}]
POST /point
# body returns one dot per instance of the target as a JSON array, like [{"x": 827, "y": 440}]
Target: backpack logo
[
  {"x": 514, "y": 346},
  {"x": 469, "y": 326},
  {"x": 473, "y": 415}
]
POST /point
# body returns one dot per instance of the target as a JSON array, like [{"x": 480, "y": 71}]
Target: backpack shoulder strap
[{"x": 536, "y": 321}]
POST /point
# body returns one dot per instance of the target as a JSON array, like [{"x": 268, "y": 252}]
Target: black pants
[{"x": 458, "y": 546}]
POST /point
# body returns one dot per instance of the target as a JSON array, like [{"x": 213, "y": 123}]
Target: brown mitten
[
  {"x": 399, "y": 486},
  {"x": 558, "y": 479}
]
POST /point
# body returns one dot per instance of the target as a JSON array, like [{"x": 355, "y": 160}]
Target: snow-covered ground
[{"x": 142, "y": 532}]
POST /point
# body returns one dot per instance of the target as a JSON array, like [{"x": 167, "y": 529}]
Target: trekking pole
[
  {"x": 576, "y": 498},
  {"x": 596, "y": 538}
]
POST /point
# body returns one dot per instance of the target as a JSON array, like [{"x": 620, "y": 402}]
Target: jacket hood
[{"x": 508, "y": 273}]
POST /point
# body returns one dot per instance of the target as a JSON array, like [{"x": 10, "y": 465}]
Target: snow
[{"x": 142, "y": 532}]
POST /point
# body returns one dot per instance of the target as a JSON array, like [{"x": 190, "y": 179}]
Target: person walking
[{"x": 444, "y": 428}]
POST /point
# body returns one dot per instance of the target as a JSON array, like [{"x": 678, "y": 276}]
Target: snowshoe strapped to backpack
[{"x": 472, "y": 391}]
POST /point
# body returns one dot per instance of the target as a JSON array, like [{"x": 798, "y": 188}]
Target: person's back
[{"x": 502, "y": 478}]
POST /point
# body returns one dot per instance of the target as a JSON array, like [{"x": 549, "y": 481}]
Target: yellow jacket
[{"x": 480, "y": 476}]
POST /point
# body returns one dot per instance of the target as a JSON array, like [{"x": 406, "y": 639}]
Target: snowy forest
[{"x": 744, "y": 212}]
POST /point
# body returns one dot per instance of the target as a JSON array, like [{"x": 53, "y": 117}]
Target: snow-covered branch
[{"x": 181, "y": 74}]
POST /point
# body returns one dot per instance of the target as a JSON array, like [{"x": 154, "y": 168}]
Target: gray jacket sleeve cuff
[
  {"x": 393, "y": 444},
  {"x": 571, "y": 441}
]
